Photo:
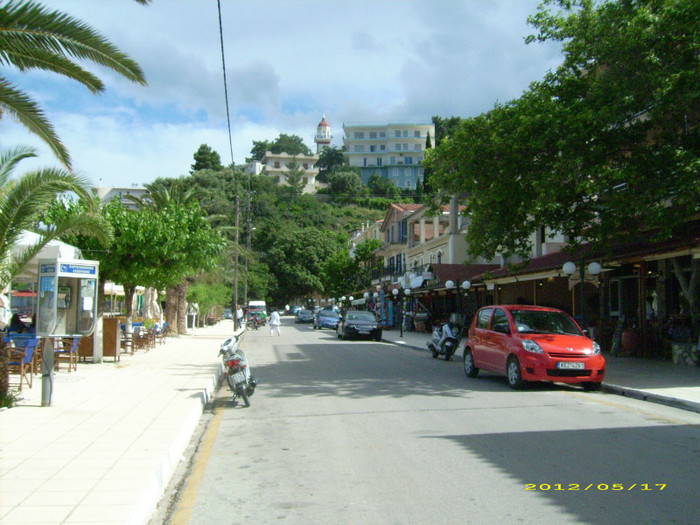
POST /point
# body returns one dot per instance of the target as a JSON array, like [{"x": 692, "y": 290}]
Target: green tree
[
  {"x": 329, "y": 160},
  {"x": 295, "y": 177},
  {"x": 33, "y": 37},
  {"x": 341, "y": 274},
  {"x": 206, "y": 158},
  {"x": 260, "y": 147},
  {"x": 346, "y": 186},
  {"x": 606, "y": 145},
  {"x": 291, "y": 144},
  {"x": 444, "y": 127},
  {"x": 381, "y": 187}
]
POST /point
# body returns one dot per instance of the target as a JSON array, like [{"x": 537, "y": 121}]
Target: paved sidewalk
[
  {"x": 106, "y": 448},
  {"x": 646, "y": 379}
]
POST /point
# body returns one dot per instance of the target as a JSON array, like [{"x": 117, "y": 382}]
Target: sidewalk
[
  {"x": 645, "y": 379},
  {"x": 106, "y": 448}
]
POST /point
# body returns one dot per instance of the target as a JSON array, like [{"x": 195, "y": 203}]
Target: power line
[{"x": 223, "y": 66}]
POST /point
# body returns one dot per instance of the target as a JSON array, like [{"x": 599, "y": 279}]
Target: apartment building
[
  {"x": 277, "y": 166},
  {"x": 394, "y": 151}
]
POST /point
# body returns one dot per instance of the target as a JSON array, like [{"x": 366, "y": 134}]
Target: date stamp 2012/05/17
[{"x": 543, "y": 487}]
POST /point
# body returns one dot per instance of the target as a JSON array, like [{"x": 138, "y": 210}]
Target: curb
[
  {"x": 642, "y": 395},
  {"x": 619, "y": 390}
]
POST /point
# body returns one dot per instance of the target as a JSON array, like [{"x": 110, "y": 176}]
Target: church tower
[{"x": 323, "y": 135}]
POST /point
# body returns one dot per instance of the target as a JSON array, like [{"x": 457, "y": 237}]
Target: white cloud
[{"x": 288, "y": 63}]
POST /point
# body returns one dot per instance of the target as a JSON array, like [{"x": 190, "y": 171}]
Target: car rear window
[{"x": 482, "y": 321}]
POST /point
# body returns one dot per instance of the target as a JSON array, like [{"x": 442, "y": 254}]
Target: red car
[{"x": 532, "y": 343}]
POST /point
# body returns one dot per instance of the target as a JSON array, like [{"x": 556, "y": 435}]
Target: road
[{"x": 367, "y": 432}]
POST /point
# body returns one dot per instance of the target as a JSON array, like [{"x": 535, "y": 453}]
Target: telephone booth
[{"x": 67, "y": 301}]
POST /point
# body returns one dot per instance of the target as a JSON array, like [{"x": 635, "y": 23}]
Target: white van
[{"x": 257, "y": 307}]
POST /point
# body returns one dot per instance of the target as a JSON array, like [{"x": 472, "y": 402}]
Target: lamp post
[
  {"x": 465, "y": 286},
  {"x": 593, "y": 271}
]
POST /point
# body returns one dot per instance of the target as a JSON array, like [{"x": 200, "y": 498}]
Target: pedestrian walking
[{"x": 275, "y": 322}]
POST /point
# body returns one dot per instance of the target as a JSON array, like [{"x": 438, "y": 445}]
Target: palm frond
[
  {"x": 33, "y": 26},
  {"x": 10, "y": 158},
  {"x": 29, "y": 196},
  {"x": 21, "y": 107}
]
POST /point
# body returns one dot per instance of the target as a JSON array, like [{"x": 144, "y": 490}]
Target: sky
[{"x": 288, "y": 64}]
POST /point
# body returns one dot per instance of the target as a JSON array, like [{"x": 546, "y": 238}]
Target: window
[
  {"x": 359, "y": 134},
  {"x": 397, "y": 133},
  {"x": 382, "y": 147},
  {"x": 417, "y": 147},
  {"x": 416, "y": 134},
  {"x": 277, "y": 164},
  {"x": 439, "y": 256},
  {"x": 405, "y": 147},
  {"x": 407, "y": 172},
  {"x": 358, "y": 148},
  {"x": 397, "y": 147},
  {"x": 483, "y": 320},
  {"x": 382, "y": 135},
  {"x": 405, "y": 133},
  {"x": 500, "y": 322},
  {"x": 395, "y": 172},
  {"x": 373, "y": 134},
  {"x": 408, "y": 160},
  {"x": 392, "y": 160},
  {"x": 379, "y": 161},
  {"x": 408, "y": 184},
  {"x": 306, "y": 165},
  {"x": 372, "y": 148},
  {"x": 364, "y": 161}
]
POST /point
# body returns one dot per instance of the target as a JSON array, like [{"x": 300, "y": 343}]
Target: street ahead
[{"x": 366, "y": 432}]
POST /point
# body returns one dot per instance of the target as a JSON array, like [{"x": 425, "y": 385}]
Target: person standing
[{"x": 275, "y": 322}]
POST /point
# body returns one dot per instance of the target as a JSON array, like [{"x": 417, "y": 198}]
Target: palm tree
[
  {"x": 22, "y": 204},
  {"x": 33, "y": 37}
]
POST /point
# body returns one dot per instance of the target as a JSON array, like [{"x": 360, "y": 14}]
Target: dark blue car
[{"x": 326, "y": 318}]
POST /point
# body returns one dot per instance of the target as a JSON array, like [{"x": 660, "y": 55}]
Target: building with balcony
[
  {"x": 277, "y": 166},
  {"x": 393, "y": 151}
]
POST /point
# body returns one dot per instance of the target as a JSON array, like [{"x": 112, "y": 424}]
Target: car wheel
[
  {"x": 378, "y": 338},
  {"x": 591, "y": 386},
  {"x": 469, "y": 369},
  {"x": 513, "y": 373},
  {"x": 435, "y": 354}
]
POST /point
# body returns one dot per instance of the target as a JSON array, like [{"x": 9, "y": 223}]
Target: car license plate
[
  {"x": 569, "y": 365},
  {"x": 363, "y": 332},
  {"x": 238, "y": 377}
]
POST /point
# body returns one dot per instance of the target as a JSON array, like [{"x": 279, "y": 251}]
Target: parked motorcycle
[
  {"x": 237, "y": 371},
  {"x": 447, "y": 346},
  {"x": 254, "y": 323}
]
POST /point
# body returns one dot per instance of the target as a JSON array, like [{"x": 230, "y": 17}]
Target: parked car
[
  {"x": 532, "y": 343},
  {"x": 326, "y": 318},
  {"x": 304, "y": 316},
  {"x": 294, "y": 310},
  {"x": 228, "y": 314},
  {"x": 359, "y": 324}
]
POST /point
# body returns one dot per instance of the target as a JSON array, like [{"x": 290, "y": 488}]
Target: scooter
[
  {"x": 237, "y": 371},
  {"x": 447, "y": 347}
]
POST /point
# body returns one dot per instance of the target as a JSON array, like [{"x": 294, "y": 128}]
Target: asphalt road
[{"x": 367, "y": 432}]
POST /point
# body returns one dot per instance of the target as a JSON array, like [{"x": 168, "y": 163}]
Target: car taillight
[{"x": 233, "y": 363}]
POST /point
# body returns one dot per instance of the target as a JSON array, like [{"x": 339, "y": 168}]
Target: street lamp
[{"x": 585, "y": 274}]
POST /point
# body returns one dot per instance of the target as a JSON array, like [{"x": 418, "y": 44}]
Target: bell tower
[{"x": 323, "y": 135}]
